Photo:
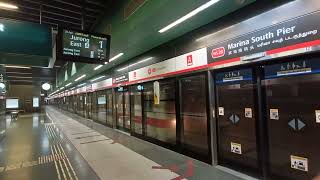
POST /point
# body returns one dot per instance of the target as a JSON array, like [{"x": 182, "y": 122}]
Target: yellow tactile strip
[
  {"x": 52, "y": 134},
  {"x": 62, "y": 163}
]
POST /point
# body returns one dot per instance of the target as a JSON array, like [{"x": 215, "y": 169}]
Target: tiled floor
[
  {"x": 58, "y": 145},
  {"x": 34, "y": 148},
  {"x": 115, "y": 155}
]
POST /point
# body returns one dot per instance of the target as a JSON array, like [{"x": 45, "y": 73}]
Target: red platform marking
[
  {"x": 115, "y": 141},
  {"x": 174, "y": 168}
]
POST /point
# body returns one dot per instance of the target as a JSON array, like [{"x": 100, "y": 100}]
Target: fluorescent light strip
[
  {"x": 82, "y": 84},
  {"x": 20, "y": 80},
  {"x": 17, "y": 73},
  {"x": 61, "y": 88},
  {"x": 135, "y": 64},
  {"x": 80, "y": 77},
  {"x": 116, "y": 57},
  {"x": 18, "y": 67},
  {"x": 189, "y": 15},
  {"x": 68, "y": 84},
  {"x": 8, "y": 6},
  {"x": 98, "y": 67},
  {"x": 97, "y": 78},
  {"x": 22, "y": 77}
]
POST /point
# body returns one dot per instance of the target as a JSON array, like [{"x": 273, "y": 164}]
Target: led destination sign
[{"x": 84, "y": 47}]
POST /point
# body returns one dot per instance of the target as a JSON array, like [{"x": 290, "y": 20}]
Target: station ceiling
[
  {"x": 64, "y": 13},
  {"x": 138, "y": 32},
  {"x": 132, "y": 24}
]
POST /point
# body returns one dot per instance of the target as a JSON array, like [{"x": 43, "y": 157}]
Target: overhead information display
[{"x": 84, "y": 47}]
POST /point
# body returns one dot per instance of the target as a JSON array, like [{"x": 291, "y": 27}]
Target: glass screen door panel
[
  {"x": 120, "y": 113},
  {"x": 94, "y": 105},
  {"x": 101, "y": 107},
  {"x": 70, "y": 103},
  {"x": 80, "y": 105},
  {"x": 109, "y": 108},
  {"x": 293, "y": 116},
  {"x": 75, "y": 104},
  {"x": 193, "y": 108},
  {"x": 236, "y": 119},
  {"x": 136, "y": 109},
  {"x": 160, "y": 115},
  {"x": 89, "y": 105},
  {"x": 127, "y": 123}
]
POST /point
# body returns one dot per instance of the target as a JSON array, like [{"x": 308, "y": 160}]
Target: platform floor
[{"x": 59, "y": 145}]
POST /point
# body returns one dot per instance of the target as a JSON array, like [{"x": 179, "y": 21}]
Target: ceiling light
[
  {"x": 82, "y": 84},
  {"x": 46, "y": 86},
  {"x": 2, "y": 85},
  {"x": 19, "y": 67},
  {"x": 1, "y": 27},
  {"x": 68, "y": 84},
  {"x": 189, "y": 15},
  {"x": 80, "y": 77},
  {"x": 135, "y": 64},
  {"x": 116, "y": 57},
  {"x": 8, "y": 6},
  {"x": 97, "y": 78},
  {"x": 98, "y": 67}
]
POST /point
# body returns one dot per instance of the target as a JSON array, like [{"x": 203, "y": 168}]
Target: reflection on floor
[
  {"x": 59, "y": 145},
  {"x": 34, "y": 148}
]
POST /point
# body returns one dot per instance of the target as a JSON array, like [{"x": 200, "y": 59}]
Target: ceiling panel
[{"x": 64, "y": 13}]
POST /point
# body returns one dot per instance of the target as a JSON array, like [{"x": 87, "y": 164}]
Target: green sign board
[{"x": 24, "y": 38}]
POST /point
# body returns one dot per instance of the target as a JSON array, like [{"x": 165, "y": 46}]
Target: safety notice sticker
[
  {"x": 221, "y": 111},
  {"x": 299, "y": 163},
  {"x": 317, "y": 116},
  {"x": 274, "y": 114},
  {"x": 248, "y": 112},
  {"x": 236, "y": 148}
]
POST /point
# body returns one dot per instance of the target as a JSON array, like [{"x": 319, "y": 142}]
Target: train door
[
  {"x": 237, "y": 119},
  {"x": 293, "y": 118}
]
